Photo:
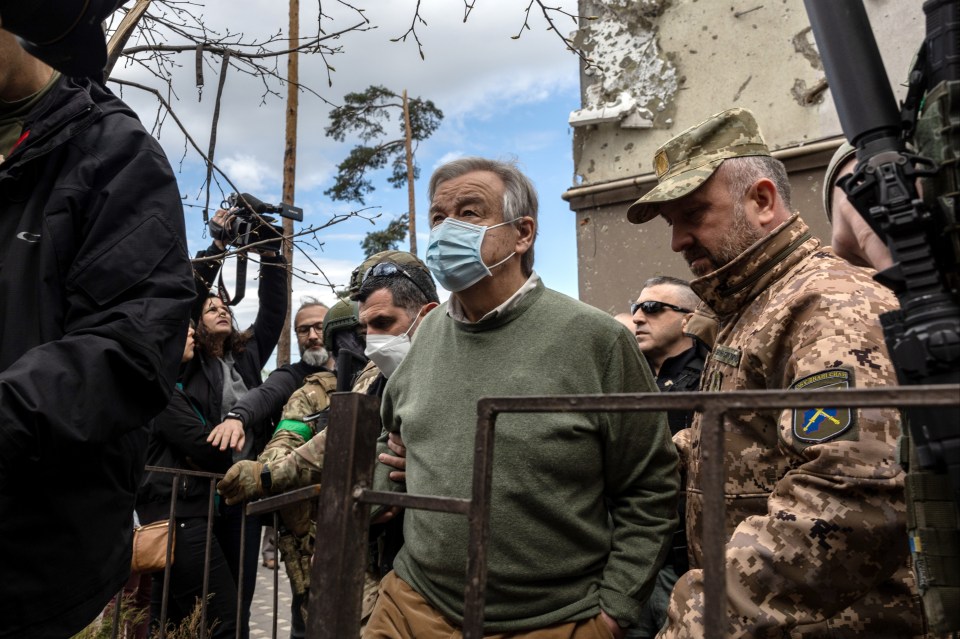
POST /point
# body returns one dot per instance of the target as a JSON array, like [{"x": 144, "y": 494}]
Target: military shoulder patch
[
  {"x": 823, "y": 423},
  {"x": 727, "y": 355}
]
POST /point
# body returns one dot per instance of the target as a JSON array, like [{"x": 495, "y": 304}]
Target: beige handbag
[{"x": 150, "y": 547}]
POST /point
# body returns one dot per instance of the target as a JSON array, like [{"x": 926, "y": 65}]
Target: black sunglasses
[
  {"x": 651, "y": 307},
  {"x": 389, "y": 269}
]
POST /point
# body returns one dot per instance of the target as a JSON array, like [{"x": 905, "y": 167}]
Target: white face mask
[{"x": 387, "y": 351}]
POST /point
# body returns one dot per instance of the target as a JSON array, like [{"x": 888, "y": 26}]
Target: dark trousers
[
  {"x": 186, "y": 579},
  {"x": 234, "y": 520}
]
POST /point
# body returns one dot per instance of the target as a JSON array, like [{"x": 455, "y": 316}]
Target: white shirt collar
[{"x": 455, "y": 310}]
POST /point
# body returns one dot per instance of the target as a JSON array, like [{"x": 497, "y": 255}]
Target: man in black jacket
[
  {"x": 659, "y": 314},
  {"x": 95, "y": 290}
]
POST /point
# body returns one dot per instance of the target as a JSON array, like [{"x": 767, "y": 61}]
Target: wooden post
[
  {"x": 408, "y": 136},
  {"x": 290, "y": 170}
]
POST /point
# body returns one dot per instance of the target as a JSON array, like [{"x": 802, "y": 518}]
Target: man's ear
[
  {"x": 762, "y": 198},
  {"x": 426, "y": 308},
  {"x": 527, "y": 228}
]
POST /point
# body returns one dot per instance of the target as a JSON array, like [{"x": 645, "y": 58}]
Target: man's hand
[
  {"x": 228, "y": 434},
  {"x": 242, "y": 482},
  {"x": 615, "y": 629},
  {"x": 395, "y": 443}
]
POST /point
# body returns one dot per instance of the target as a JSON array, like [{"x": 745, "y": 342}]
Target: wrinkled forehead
[{"x": 475, "y": 187}]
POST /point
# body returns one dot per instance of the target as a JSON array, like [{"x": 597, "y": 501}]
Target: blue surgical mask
[{"x": 453, "y": 254}]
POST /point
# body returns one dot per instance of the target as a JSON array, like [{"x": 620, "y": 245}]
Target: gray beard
[{"x": 315, "y": 357}]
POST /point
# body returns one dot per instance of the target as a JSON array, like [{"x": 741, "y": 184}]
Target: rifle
[
  {"x": 896, "y": 148},
  {"x": 923, "y": 337}
]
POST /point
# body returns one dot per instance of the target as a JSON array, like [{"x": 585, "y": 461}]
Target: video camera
[{"x": 253, "y": 225}]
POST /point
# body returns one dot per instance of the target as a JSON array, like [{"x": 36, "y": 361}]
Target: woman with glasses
[{"x": 227, "y": 365}]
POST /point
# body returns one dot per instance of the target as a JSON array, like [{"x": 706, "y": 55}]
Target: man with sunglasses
[
  {"x": 815, "y": 518},
  {"x": 659, "y": 314},
  {"x": 675, "y": 358},
  {"x": 583, "y": 505}
]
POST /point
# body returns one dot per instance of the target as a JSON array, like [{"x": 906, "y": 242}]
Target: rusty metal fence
[{"x": 344, "y": 503}]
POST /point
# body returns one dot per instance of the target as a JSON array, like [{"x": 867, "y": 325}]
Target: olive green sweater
[{"x": 583, "y": 505}]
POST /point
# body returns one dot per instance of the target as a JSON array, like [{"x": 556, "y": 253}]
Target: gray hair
[
  {"x": 688, "y": 298},
  {"x": 519, "y": 194},
  {"x": 743, "y": 172},
  {"x": 307, "y": 302}
]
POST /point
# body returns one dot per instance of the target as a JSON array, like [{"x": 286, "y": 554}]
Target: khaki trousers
[{"x": 401, "y": 613}]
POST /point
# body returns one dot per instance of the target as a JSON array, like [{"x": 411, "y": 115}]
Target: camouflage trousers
[{"x": 296, "y": 552}]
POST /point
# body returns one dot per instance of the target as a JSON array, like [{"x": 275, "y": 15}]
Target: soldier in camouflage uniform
[
  {"x": 395, "y": 291},
  {"x": 815, "y": 503}
]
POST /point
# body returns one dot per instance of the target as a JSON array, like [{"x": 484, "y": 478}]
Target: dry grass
[{"x": 102, "y": 627}]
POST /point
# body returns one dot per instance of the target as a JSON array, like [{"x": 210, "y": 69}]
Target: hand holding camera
[
  {"x": 242, "y": 221},
  {"x": 223, "y": 228}
]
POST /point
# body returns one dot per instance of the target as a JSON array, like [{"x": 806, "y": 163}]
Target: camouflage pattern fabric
[
  {"x": 815, "y": 498},
  {"x": 400, "y": 258},
  {"x": 312, "y": 397},
  {"x": 686, "y": 161},
  {"x": 294, "y": 464}
]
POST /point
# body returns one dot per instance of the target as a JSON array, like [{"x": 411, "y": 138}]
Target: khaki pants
[{"x": 401, "y": 613}]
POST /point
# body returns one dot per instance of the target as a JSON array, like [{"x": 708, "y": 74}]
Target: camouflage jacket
[
  {"x": 815, "y": 514},
  {"x": 294, "y": 462}
]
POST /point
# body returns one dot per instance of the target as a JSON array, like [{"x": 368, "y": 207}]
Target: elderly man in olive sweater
[{"x": 583, "y": 505}]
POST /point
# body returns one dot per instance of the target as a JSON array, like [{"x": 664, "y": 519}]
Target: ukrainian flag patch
[{"x": 822, "y": 423}]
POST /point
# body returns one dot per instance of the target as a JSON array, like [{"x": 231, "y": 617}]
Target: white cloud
[{"x": 250, "y": 173}]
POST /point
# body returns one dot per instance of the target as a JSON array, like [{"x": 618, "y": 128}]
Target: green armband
[{"x": 295, "y": 426}]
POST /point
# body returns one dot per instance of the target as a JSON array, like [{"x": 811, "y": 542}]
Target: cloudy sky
[{"x": 501, "y": 98}]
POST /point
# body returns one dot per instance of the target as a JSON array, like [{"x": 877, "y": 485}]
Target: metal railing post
[{"x": 340, "y": 559}]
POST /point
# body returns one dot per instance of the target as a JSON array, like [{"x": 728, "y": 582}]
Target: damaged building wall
[{"x": 661, "y": 66}]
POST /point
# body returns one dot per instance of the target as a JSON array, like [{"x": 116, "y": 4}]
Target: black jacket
[
  {"x": 95, "y": 291},
  {"x": 679, "y": 374},
  {"x": 203, "y": 377},
  {"x": 178, "y": 439}
]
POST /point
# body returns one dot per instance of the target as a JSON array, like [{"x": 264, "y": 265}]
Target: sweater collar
[
  {"x": 734, "y": 285},
  {"x": 507, "y": 313},
  {"x": 455, "y": 310}
]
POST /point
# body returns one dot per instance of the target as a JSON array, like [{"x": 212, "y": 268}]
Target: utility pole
[
  {"x": 290, "y": 169},
  {"x": 410, "y": 192}
]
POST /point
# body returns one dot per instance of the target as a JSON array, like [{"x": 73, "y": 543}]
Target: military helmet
[
  {"x": 410, "y": 265},
  {"x": 344, "y": 315},
  {"x": 845, "y": 152}
]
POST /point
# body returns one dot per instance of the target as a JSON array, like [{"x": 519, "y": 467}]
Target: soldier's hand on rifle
[
  {"x": 242, "y": 482},
  {"x": 398, "y": 461},
  {"x": 228, "y": 434},
  {"x": 223, "y": 230}
]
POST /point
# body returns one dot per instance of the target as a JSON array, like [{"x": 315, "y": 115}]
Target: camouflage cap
[
  {"x": 411, "y": 265},
  {"x": 845, "y": 152},
  {"x": 685, "y": 162}
]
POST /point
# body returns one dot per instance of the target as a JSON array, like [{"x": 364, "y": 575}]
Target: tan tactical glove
[{"x": 242, "y": 482}]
